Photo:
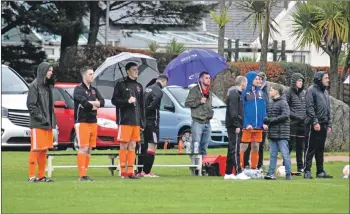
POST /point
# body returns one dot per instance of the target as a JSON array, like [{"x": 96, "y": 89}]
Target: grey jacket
[
  {"x": 201, "y": 113},
  {"x": 40, "y": 101}
]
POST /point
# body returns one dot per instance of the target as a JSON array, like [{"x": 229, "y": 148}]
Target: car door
[
  {"x": 168, "y": 126},
  {"x": 64, "y": 117}
]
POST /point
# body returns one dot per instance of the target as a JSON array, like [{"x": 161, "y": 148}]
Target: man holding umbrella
[
  {"x": 199, "y": 100},
  {"x": 128, "y": 99}
]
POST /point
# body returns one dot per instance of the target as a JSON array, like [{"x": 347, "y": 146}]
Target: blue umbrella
[{"x": 184, "y": 70}]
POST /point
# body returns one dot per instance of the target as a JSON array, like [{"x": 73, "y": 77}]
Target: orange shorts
[
  {"x": 127, "y": 133},
  {"x": 86, "y": 134},
  {"x": 41, "y": 139},
  {"x": 249, "y": 136}
]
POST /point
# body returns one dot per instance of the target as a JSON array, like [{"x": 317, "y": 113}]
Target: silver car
[{"x": 15, "y": 129}]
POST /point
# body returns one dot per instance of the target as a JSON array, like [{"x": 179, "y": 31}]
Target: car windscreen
[
  {"x": 181, "y": 94},
  {"x": 11, "y": 83},
  {"x": 108, "y": 102}
]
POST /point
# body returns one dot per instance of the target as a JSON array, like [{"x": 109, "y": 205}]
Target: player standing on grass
[
  {"x": 234, "y": 125},
  {"x": 42, "y": 121},
  {"x": 152, "y": 98},
  {"x": 87, "y": 100},
  {"x": 254, "y": 107},
  {"x": 128, "y": 99}
]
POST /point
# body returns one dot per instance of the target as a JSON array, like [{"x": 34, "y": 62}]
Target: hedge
[{"x": 88, "y": 55}]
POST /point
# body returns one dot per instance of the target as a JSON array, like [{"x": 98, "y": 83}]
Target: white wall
[{"x": 285, "y": 23}]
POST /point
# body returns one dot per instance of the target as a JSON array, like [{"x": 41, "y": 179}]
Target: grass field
[{"x": 174, "y": 192}]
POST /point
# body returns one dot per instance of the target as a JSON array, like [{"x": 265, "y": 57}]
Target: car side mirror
[
  {"x": 60, "y": 104},
  {"x": 169, "y": 108}
]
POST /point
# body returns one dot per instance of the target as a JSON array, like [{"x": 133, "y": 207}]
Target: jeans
[
  {"x": 282, "y": 146},
  {"x": 201, "y": 133}
]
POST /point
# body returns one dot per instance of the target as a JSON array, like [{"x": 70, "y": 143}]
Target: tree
[
  {"x": 149, "y": 15},
  {"x": 221, "y": 20},
  {"x": 175, "y": 47},
  {"x": 326, "y": 25},
  {"x": 260, "y": 15}
]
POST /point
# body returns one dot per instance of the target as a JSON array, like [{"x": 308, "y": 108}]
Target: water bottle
[{"x": 196, "y": 148}]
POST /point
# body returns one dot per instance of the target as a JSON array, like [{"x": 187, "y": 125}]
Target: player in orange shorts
[
  {"x": 128, "y": 99},
  {"x": 42, "y": 121},
  {"x": 254, "y": 107},
  {"x": 87, "y": 100}
]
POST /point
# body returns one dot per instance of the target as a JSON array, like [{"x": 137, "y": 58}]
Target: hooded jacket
[
  {"x": 152, "y": 98},
  {"x": 39, "y": 100},
  {"x": 278, "y": 119},
  {"x": 296, "y": 101},
  {"x": 234, "y": 109},
  {"x": 254, "y": 104},
  {"x": 318, "y": 109}
]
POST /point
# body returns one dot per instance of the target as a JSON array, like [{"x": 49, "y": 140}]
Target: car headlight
[
  {"x": 106, "y": 123},
  {"x": 215, "y": 123},
  {"x": 4, "y": 112}
]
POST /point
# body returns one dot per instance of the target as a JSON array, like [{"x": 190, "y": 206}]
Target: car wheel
[
  {"x": 74, "y": 144},
  {"x": 186, "y": 136}
]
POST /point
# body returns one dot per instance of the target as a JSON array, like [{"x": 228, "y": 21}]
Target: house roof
[{"x": 237, "y": 30}]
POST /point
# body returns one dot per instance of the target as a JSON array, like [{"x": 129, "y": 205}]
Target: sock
[
  {"x": 149, "y": 160},
  {"x": 42, "y": 163},
  {"x": 254, "y": 157},
  {"x": 241, "y": 158},
  {"x": 131, "y": 161},
  {"x": 234, "y": 171},
  {"x": 87, "y": 162},
  {"x": 32, "y": 160},
  {"x": 122, "y": 159},
  {"x": 81, "y": 159}
]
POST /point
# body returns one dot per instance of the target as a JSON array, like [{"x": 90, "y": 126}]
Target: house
[{"x": 282, "y": 14}]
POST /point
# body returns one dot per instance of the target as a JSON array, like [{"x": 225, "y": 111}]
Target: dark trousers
[
  {"x": 261, "y": 153},
  {"x": 141, "y": 149},
  {"x": 233, "y": 151},
  {"x": 314, "y": 146}
]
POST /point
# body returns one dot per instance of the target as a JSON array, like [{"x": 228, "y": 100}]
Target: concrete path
[{"x": 326, "y": 159}]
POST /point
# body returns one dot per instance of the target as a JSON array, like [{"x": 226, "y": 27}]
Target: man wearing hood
[
  {"x": 295, "y": 97},
  {"x": 254, "y": 107},
  {"x": 318, "y": 123},
  {"x": 42, "y": 121},
  {"x": 263, "y": 88}
]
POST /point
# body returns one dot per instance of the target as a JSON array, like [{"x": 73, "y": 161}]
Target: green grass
[{"x": 174, "y": 192}]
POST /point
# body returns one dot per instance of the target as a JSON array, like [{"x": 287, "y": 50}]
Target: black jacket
[
  {"x": 234, "y": 109},
  {"x": 129, "y": 113},
  {"x": 296, "y": 101},
  {"x": 39, "y": 100},
  {"x": 318, "y": 108},
  {"x": 278, "y": 119},
  {"x": 152, "y": 98},
  {"x": 82, "y": 108}
]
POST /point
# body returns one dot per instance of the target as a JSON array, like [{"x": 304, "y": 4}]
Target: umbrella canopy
[
  {"x": 347, "y": 81},
  {"x": 185, "y": 69},
  {"x": 113, "y": 69}
]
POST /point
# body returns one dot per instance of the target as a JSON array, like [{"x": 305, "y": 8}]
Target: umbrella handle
[{"x": 200, "y": 88}]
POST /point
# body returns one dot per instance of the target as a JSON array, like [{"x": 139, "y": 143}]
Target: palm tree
[
  {"x": 153, "y": 47},
  {"x": 221, "y": 20},
  {"x": 326, "y": 25},
  {"x": 175, "y": 47},
  {"x": 260, "y": 15}
]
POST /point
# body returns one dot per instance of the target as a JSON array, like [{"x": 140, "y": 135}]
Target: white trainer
[
  {"x": 229, "y": 177},
  {"x": 242, "y": 176}
]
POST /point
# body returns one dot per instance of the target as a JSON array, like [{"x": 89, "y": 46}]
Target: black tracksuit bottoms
[{"x": 233, "y": 156}]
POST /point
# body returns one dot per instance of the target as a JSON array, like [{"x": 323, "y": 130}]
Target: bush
[
  {"x": 163, "y": 59},
  {"x": 89, "y": 55}
]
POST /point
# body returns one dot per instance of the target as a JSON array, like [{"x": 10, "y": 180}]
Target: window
[
  {"x": 298, "y": 58},
  {"x": 57, "y": 96},
  {"x": 165, "y": 101},
  {"x": 11, "y": 82},
  {"x": 50, "y": 51}
]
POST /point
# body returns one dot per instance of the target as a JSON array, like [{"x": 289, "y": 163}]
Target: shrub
[{"x": 163, "y": 59}]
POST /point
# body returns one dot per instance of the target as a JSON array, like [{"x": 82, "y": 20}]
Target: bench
[{"x": 113, "y": 166}]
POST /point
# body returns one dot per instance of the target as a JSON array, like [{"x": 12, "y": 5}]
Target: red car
[{"x": 64, "y": 111}]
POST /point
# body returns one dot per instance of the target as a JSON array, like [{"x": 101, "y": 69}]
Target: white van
[{"x": 15, "y": 131}]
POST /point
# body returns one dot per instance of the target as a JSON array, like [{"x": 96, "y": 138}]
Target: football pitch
[{"x": 175, "y": 191}]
